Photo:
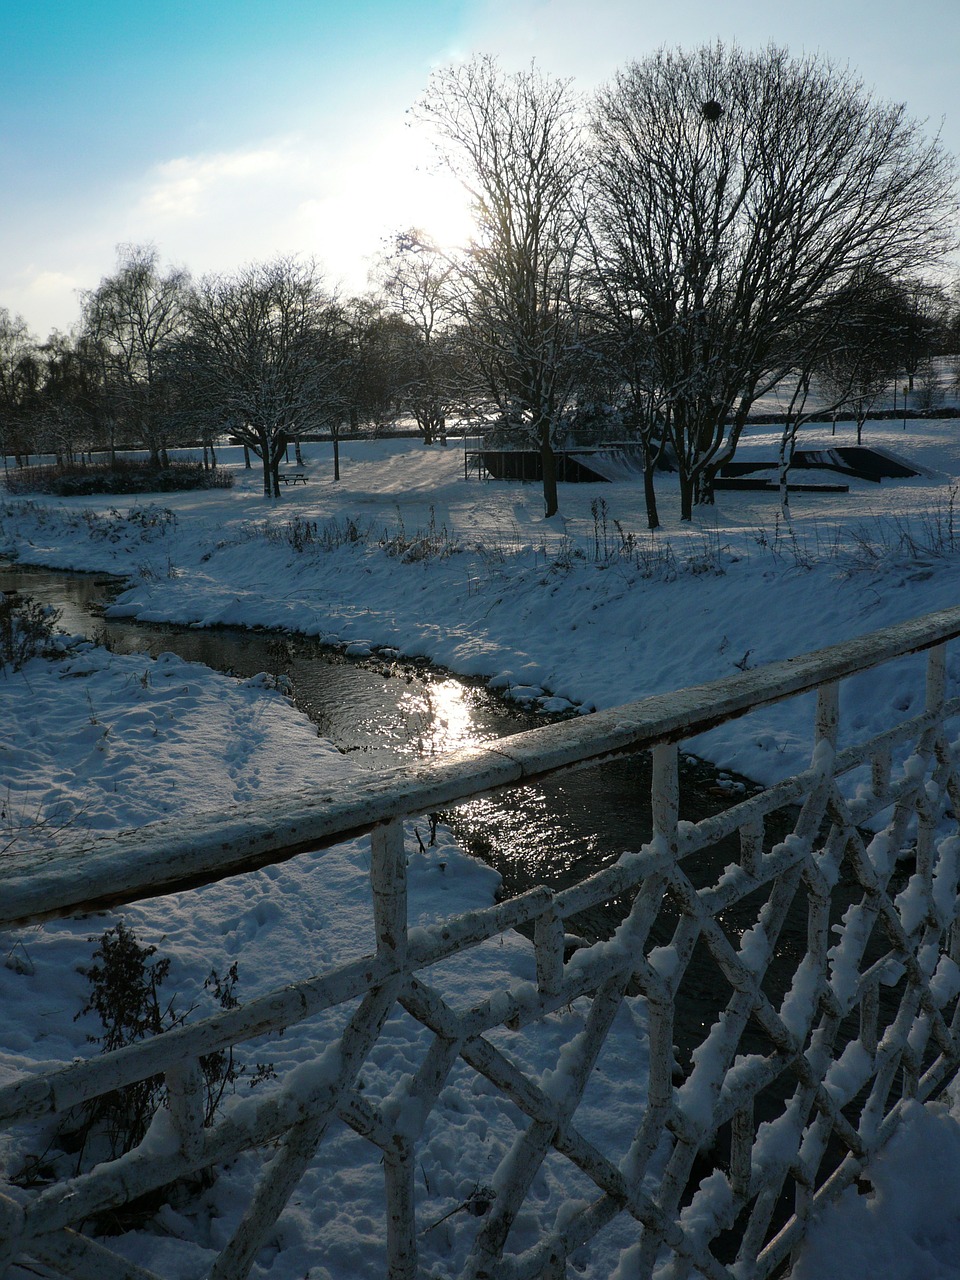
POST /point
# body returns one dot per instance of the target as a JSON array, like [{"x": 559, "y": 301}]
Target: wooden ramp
[
  {"x": 860, "y": 462},
  {"x": 762, "y": 485},
  {"x": 573, "y": 466}
]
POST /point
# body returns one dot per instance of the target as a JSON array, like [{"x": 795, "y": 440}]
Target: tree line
[{"x": 646, "y": 265}]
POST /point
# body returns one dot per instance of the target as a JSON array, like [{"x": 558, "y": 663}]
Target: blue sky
[{"x": 228, "y": 131}]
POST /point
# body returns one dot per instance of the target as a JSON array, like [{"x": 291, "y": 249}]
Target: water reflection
[
  {"x": 390, "y": 711},
  {"x": 387, "y": 711},
  {"x": 441, "y": 714}
]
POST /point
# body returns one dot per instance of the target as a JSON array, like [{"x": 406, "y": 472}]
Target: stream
[{"x": 387, "y": 710}]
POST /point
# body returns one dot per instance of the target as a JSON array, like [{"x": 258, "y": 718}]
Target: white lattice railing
[{"x": 832, "y": 959}]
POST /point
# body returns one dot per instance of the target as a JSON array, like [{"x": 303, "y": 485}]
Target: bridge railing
[{"x": 827, "y": 946}]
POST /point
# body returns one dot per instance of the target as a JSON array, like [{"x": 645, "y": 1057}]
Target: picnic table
[{"x": 291, "y": 477}]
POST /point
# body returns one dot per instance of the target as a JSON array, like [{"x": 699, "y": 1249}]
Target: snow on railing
[{"x": 828, "y": 955}]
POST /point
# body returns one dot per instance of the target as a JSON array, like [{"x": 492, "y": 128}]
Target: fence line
[{"x": 832, "y": 953}]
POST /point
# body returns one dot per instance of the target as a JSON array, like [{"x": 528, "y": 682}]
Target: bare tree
[
  {"x": 132, "y": 317},
  {"x": 922, "y": 322},
  {"x": 625, "y": 359},
  {"x": 415, "y": 282},
  {"x": 865, "y": 346},
  {"x": 375, "y": 343},
  {"x": 733, "y": 194},
  {"x": 515, "y": 142},
  {"x": 262, "y": 357},
  {"x": 67, "y": 407},
  {"x": 19, "y": 379}
]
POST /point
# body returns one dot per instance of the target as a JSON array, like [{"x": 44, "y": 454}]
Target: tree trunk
[
  {"x": 783, "y": 466},
  {"x": 650, "y": 494},
  {"x": 548, "y": 464},
  {"x": 271, "y": 464},
  {"x": 705, "y": 489},
  {"x": 686, "y": 495}
]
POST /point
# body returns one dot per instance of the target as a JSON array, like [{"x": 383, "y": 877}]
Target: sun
[{"x": 437, "y": 200}]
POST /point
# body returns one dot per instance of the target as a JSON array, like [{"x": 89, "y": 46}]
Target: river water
[{"x": 387, "y": 710}]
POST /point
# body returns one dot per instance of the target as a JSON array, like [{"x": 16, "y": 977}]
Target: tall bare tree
[
  {"x": 515, "y": 141},
  {"x": 733, "y": 194},
  {"x": 866, "y": 345},
  {"x": 375, "y": 339},
  {"x": 627, "y": 358},
  {"x": 263, "y": 357},
  {"x": 415, "y": 283},
  {"x": 923, "y": 311},
  {"x": 19, "y": 379},
  {"x": 67, "y": 408},
  {"x": 132, "y": 318}
]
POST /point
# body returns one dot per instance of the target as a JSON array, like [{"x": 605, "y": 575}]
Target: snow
[{"x": 589, "y": 610}]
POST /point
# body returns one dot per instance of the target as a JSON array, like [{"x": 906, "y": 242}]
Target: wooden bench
[{"x": 291, "y": 477}]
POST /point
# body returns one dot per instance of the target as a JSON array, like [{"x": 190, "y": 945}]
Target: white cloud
[
  {"x": 187, "y": 186},
  {"x": 46, "y": 299},
  {"x": 296, "y": 195}
]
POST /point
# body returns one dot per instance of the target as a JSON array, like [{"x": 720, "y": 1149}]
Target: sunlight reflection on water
[
  {"x": 388, "y": 712},
  {"x": 442, "y": 716}
]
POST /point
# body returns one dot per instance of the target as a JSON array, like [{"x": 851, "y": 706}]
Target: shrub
[
  {"x": 301, "y": 534},
  {"x": 125, "y": 982},
  {"x": 432, "y": 543},
  {"x": 27, "y": 630},
  {"x": 122, "y": 476},
  {"x": 145, "y": 524}
]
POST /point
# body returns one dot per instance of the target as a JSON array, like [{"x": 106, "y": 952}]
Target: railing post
[
  {"x": 185, "y": 1101},
  {"x": 828, "y": 714},
  {"x": 11, "y": 1231},
  {"x": 741, "y": 1150},
  {"x": 870, "y": 1017},
  {"x": 388, "y": 880},
  {"x": 936, "y": 677},
  {"x": 665, "y": 812},
  {"x": 548, "y": 943},
  {"x": 665, "y": 793},
  {"x": 751, "y": 846},
  {"x": 926, "y": 818},
  {"x": 398, "y": 1172},
  {"x": 880, "y": 766}
]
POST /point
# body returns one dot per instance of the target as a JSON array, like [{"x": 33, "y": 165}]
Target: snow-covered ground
[{"x": 589, "y": 609}]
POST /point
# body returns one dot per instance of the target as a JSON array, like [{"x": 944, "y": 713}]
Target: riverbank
[
  {"x": 588, "y": 610},
  {"x": 585, "y": 611}
]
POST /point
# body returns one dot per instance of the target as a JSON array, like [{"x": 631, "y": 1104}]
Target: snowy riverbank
[{"x": 589, "y": 610}]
